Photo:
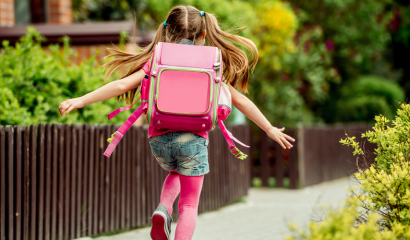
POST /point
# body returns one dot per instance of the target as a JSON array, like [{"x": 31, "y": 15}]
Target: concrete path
[{"x": 264, "y": 215}]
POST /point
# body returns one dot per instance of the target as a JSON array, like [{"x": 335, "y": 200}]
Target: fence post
[
  {"x": 264, "y": 159},
  {"x": 10, "y": 180},
  {"x": 300, "y": 155},
  {"x": 91, "y": 175},
  {"x": 85, "y": 213},
  {"x": 41, "y": 170},
  {"x": 279, "y": 165},
  {"x": 293, "y": 165},
  {"x": 47, "y": 185},
  {"x": 33, "y": 181},
  {"x": 18, "y": 180},
  {"x": 26, "y": 182},
  {"x": 2, "y": 185},
  {"x": 61, "y": 178},
  {"x": 80, "y": 133}
]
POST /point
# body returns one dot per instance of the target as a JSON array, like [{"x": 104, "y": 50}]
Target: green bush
[
  {"x": 377, "y": 86},
  {"x": 342, "y": 225},
  {"x": 380, "y": 209},
  {"x": 355, "y": 31},
  {"x": 34, "y": 81},
  {"x": 256, "y": 182},
  {"x": 386, "y": 184},
  {"x": 367, "y": 96}
]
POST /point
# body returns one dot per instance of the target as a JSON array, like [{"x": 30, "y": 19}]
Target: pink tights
[{"x": 190, "y": 188}]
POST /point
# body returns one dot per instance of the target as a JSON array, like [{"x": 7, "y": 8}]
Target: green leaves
[
  {"x": 380, "y": 209},
  {"x": 386, "y": 183},
  {"x": 35, "y": 80},
  {"x": 350, "y": 141}
]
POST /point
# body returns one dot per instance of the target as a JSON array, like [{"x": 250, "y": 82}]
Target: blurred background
[
  {"x": 325, "y": 68},
  {"x": 320, "y": 62}
]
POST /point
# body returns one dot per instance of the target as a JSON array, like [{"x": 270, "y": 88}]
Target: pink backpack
[{"x": 183, "y": 92}]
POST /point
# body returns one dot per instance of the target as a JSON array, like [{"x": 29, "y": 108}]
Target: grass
[{"x": 257, "y": 182}]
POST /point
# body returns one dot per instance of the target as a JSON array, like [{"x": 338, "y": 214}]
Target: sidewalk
[{"x": 265, "y": 214}]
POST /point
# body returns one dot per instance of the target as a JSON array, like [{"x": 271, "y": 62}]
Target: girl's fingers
[
  {"x": 282, "y": 129},
  {"x": 289, "y": 137},
  {"x": 69, "y": 110},
  {"x": 59, "y": 108},
  {"x": 281, "y": 143},
  {"x": 62, "y": 108},
  {"x": 286, "y": 143}
]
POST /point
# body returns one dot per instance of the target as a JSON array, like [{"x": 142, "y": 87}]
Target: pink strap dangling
[
  {"x": 121, "y": 109},
  {"x": 228, "y": 137},
  {"x": 121, "y": 131}
]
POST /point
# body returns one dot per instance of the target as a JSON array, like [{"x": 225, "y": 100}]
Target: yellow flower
[
  {"x": 277, "y": 66},
  {"x": 276, "y": 29}
]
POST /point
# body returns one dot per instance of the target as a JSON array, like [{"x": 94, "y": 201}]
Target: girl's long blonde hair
[{"x": 186, "y": 22}]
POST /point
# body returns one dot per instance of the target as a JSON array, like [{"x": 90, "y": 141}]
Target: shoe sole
[{"x": 159, "y": 229}]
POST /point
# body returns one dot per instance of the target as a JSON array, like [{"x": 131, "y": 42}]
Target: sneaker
[{"x": 161, "y": 224}]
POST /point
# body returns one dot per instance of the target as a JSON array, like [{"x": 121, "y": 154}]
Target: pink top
[{"x": 152, "y": 131}]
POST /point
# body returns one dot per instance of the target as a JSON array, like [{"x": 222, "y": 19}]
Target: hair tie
[
  {"x": 202, "y": 13},
  {"x": 165, "y": 23}
]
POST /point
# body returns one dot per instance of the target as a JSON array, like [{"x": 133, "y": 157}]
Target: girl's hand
[
  {"x": 69, "y": 105},
  {"x": 278, "y": 135}
]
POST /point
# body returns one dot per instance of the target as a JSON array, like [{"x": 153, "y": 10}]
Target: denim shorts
[{"x": 184, "y": 151}]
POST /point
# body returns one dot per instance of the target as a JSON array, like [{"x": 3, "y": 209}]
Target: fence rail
[{"x": 55, "y": 182}]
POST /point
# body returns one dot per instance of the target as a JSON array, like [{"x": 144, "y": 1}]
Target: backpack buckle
[{"x": 217, "y": 65}]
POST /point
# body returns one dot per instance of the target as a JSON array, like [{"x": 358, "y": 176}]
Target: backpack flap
[
  {"x": 185, "y": 80},
  {"x": 184, "y": 92}
]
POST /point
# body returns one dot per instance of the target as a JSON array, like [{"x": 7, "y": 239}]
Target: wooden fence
[
  {"x": 55, "y": 182},
  {"x": 323, "y": 158},
  {"x": 274, "y": 161},
  {"x": 317, "y": 155}
]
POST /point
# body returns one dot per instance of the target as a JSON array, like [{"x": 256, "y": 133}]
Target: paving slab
[{"x": 265, "y": 214}]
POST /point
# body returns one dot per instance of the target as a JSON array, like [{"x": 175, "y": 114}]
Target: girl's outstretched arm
[
  {"x": 250, "y": 110},
  {"x": 105, "y": 92}
]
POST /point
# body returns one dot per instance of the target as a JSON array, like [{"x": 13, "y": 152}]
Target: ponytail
[
  {"x": 236, "y": 64},
  {"x": 131, "y": 62}
]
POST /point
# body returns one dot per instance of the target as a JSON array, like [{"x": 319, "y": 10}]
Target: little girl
[{"x": 184, "y": 25}]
